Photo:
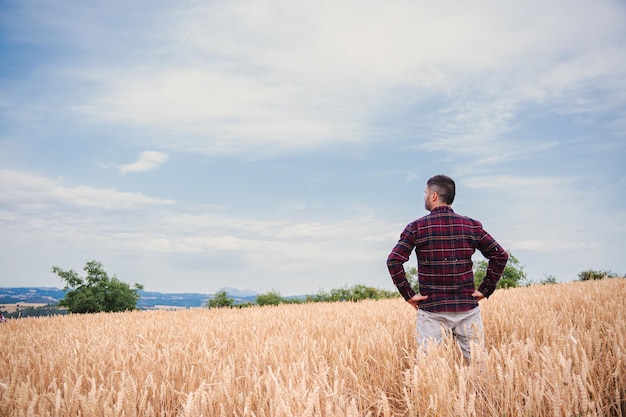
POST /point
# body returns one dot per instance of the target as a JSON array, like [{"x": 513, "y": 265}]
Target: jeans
[{"x": 465, "y": 327}]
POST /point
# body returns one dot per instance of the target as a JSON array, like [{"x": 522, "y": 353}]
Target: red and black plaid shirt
[{"x": 444, "y": 243}]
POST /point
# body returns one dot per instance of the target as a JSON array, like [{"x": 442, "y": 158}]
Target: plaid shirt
[{"x": 444, "y": 243}]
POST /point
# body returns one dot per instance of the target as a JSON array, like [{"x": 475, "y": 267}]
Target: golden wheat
[{"x": 555, "y": 350}]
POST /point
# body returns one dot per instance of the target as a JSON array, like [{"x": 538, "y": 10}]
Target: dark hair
[{"x": 444, "y": 186}]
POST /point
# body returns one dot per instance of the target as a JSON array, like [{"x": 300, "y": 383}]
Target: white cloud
[
  {"x": 27, "y": 190},
  {"x": 68, "y": 210},
  {"x": 243, "y": 77},
  {"x": 248, "y": 78},
  {"x": 64, "y": 223},
  {"x": 148, "y": 160},
  {"x": 541, "y": 214}
]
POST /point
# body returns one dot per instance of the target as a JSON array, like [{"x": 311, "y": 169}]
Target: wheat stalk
[{"x": 550, "y": 350}]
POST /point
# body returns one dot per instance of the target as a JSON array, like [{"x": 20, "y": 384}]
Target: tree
[
  {"x": 592, "y": 274},
  {"x": 97, "y": 291},
  {"x": 355, "y": 293},
  {"x": 364, "y": 292},
  {"x": 513, "y": 275},
  {"x": 549, "y": 279},
  {"x": 271, "y": 298},
  {"x": 412, "y": 277},
  {"x": 221, "y": 299},
  {"x": 47, "y": 310}
]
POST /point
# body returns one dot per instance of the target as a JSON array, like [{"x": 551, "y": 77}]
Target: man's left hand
[{"x": 415, "y": 300}]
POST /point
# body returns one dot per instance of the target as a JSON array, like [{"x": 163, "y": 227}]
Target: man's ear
[{"x": 434, "y": 196}]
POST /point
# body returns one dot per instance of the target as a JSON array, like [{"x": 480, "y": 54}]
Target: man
[{"x": 444, "y": 243}]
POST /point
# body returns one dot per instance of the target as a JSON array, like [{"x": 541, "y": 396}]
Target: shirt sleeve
[
  {"x": 395, "y": 263},
  {"x": 497, "y": 258}
]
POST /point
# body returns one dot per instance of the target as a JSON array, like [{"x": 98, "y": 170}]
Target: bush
[
  {"x": 550, "y": 279},
  {"x": 591, "y": 275},
  {"x": 47, "y": 310},
  {"x": 271, "y": 298},
  {"x": 354, "y": 293}
]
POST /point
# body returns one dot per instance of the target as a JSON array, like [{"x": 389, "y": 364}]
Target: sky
[{"x": 284, "y": 145}]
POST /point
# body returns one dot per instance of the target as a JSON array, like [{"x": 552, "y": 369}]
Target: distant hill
[
  {"x": 38, "y": 295},
  {"x": 235, "y": 293},
  {"x": 147, "y": 299}
]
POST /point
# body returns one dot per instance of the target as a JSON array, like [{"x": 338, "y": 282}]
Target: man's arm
[
  {"x": 497, "y": 257},
  {"x": 395, "y": 263}
]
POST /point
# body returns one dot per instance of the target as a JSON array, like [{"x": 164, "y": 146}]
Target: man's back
[{"x": 444, "y": 243}]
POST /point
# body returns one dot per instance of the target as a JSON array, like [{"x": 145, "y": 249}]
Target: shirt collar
[{"x": 442, "y": 209}]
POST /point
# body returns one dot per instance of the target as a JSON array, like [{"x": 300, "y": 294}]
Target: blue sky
[{"x": 284, "y": 145}]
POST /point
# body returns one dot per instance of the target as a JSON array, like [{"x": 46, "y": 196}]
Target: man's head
[{"x": 440, "y": 191}]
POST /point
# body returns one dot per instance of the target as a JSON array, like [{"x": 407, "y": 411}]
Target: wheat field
[{"x": 553, "y": 350}]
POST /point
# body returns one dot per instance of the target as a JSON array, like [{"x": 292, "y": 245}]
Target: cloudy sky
[{"x": 285, "y": 144}]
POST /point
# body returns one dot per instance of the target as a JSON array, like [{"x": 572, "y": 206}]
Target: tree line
[{"x": 98, "y": 292}]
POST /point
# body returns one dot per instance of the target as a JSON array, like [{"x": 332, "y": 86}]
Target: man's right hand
[
  {"x": 478, "y": 295},
  {"x": 416, "y": 299}
]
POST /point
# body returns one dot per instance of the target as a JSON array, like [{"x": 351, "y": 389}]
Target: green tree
[
  {"x": 47, "y": 310},
  {"x": 513, "y": 275},
  {"x": 592, "y": 274},
  {"x": 271, "y": 298},
  {"x": 411, "y": 276},
  {"x": 333, "y": 295},
  {"x": 355, "y": 293},
  {"x": 97, "y": 291},
  {"x": 221, "y": 299},
  {"x": 549, "y": 279},
  {"x": 364, "y": 292}
]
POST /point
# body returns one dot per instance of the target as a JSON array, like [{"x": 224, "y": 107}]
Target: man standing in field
[{"x": 444, "y": 243}]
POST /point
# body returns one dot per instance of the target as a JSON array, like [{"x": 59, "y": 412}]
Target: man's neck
[{"x": 440, "y": 205}]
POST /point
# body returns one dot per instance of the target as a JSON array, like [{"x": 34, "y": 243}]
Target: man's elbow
[
  {"x": 501, "y": 259},
  {"x": 393, "y": 258},
  {"x": 394, "y": 264}
]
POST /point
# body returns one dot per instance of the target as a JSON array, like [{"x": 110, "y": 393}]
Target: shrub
[{"x": 592, "y": 275}]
